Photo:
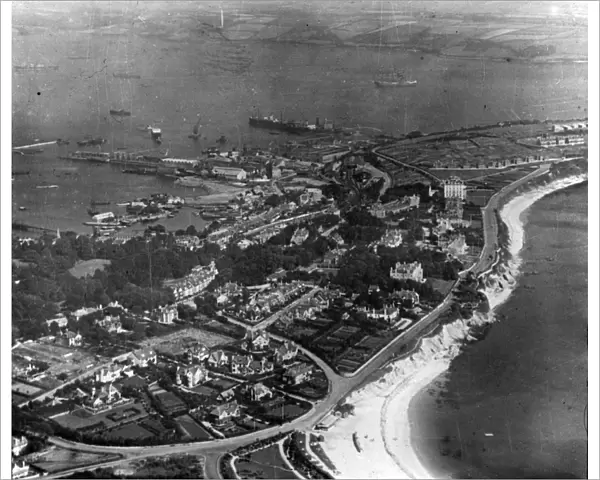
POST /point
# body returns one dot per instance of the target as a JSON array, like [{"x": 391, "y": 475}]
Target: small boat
[
  {"x": 60, "y": 141},
  {"x": 97, "y": 202},
  {"x": 22, "y": 208},
  {"x": 21, "y": 172},
  {"x": 47, "y": 186},
  {"x": 120, "y": 113},
  {"x": 32, "y": 151},
  {"x": 126, "y": 204}
]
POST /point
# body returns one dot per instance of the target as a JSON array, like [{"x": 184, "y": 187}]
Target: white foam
[{"x": 381, "y": 419}]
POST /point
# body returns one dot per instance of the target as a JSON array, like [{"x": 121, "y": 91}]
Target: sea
[
  {"x": 222, "y": 83},
  {"x": 513, "y": 404}
]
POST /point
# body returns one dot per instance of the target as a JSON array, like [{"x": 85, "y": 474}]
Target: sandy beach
[{"x": 381, "y": 421}]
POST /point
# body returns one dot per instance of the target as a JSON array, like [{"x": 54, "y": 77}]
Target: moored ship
[
  {"x": 290, "y": 126},
  {"x": 395, "y": 79},
  {"x": 120, "y": 113}
]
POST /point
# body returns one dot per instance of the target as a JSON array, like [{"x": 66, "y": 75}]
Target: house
[
  {"x": 256, "y": 340},
  {"x": 20, "y": 469},
  {"x": 102, "y": 398},
  {"x": 109, "y": 323},
  {"x": 165, "y": 314},
  {"x": 286, "y": 352},
  {"x": 230, "y": 173},
  {"x": 108, "y": 374},
  {"x": 299, "y": 237},
  {"x": 196, "y": 354},
  {"x": 73, "y": 339},
  {"x": 222, "y": 413},
  {"x": 407, "y": 271},
  {"x": 141, "y": 358},
  {"x": 240, "y": 363},
  {"x": 19, "y": 444},
  {"x": 392, "y": 238},
  {"x": 227, "y": 394},
  {"x": 458, "y": 246},
  {"x": 297, "y": 374},
  {"x": 191, "y": 376},
  {"x": 258, "y": 392},
  {"x": 305, "y": 312},
  {"x": 387, "y": 313},
  {"x": 260, "y": 366},
  {"x": 454, "y": 187},
  {"x": 218, "y": 358},
  {"x": 194, "y": 283},
  {"x": 60, "y": 320},
  {"x": 407, "y": 298}
]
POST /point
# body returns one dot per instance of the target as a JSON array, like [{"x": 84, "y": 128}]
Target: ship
[
  {"x": 126, "y": 75},
  {"x": 29, "y": 151},
  {"x": 21, "y": 172},
  {"x": 120, "y": 113},
  {"x": 140, "y": 170},
  {"x": 47, "y": 186},
  {"x": 273, "y": 123},
  {"x": 396, "y": 79},
  {"x": 91, "y": 142},
  {"x": 99, "y": 157},
  {"x": 35, "y": 66},
  {"x": 60, "y": 141},
  {"x": 195, "y": 131},
  {"x": 155, "y": 133},
  {"x": 99, "y": 202}
]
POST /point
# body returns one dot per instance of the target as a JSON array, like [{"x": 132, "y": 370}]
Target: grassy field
[
  {"x": 265, "y": 463},
  {"x": 61, "y": 359},
  {"x": 56, "y": 459},
  {"x": 131, "y": 431},
  {"x": 177, "y": 342},
  {"x": 194, "y": 430},
  {"x": 88, "y": 267}
]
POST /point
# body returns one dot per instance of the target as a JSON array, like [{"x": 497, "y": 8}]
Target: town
[{"x": 301, "y": 280}]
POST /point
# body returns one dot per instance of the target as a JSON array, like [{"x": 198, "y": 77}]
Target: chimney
[{"x": 317, "y": 122}]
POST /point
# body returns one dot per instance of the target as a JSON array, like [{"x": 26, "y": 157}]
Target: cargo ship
[
  {"x": 120, "y": 113},
  {"x": 290, "y": 126},
  {"x": 396, "y": 79},
  {"x": 100, "y": 157},
  {"x": 141, "y": 170},
  {"x": 91, "y": 142},
  {"x": 126, "y": 75}
]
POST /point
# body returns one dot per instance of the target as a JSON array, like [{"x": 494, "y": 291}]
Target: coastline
[{"x": 385, "y": 398}]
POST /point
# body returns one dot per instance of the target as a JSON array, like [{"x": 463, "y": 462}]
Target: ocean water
[
  {"x": 525, "y": 383},
  {"x": 222, "y": 83}
]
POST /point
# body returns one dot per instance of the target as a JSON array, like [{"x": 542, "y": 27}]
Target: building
[
  {"x": 392, "y": 238},
  {"x": 239, "y": 364},
  {"x": 258, "y": 367},
  {"x": 191, "y": 376},
  {"x": 102, "y": 398},
  {"x": 286, "y": 352},
  {"x": 19, "y": 444},
  {"x": 223, "y": 413},
  {"x": 256, "y": 340},
  {"x": 142, "y": 358},
  {"x": 408, "y": 298},
  {"x": 180, "y": 162},
  {"x": 457, "y": 245},
  {"x": 258, "y": 392},
  {"x": 187, "y": 241},
  {"x": 407, "y": 271},
  {"x": 82, "y": 312},
  {"x": 230, "y": 173},
  {"x": 453, "y": 208},
  {"x": 60, "y": 320},
  {"x": 300, "y": 236},
  {"x": 108, "y": 374},
  {"x": 109, "y": 323},
  {"x": 297, "y": 374},
  {"x": 20, "y": 469},
  {"x": 196, "y": 354},
  {"x": 73, "y": 339},
  {"x": 454, "y": 187},
  {"x": 165, "y": 314},
  {"x": 333, "y": 154},
  {"x": 194, "y": 283},
  {"x": 387, "y": 314},
  {"x": 218, "y": 358}
]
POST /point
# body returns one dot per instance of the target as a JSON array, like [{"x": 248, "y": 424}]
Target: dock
[{"x": 35, "y": 145}]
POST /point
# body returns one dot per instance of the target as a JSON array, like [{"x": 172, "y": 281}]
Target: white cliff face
[{"x": 499, "y": 284}]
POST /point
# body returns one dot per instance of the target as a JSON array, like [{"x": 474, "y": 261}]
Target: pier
[{"x": 23, "y": 147}]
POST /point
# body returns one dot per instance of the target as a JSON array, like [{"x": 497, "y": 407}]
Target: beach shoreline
[{"x": 389, "y": 439}]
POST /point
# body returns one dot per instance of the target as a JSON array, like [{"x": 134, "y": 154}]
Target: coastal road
[{"x": 490, "y": 223}]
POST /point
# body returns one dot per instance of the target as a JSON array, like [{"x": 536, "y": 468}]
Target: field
[
  {"x": 25, "y": 389},
  {"x": 265, "y": 463},
  {"x": 175, "y": 466},
  {"x": 61, "y": 359},
  {"x": 177, "y": 342},
  {"x": 111, "y": 418},
  {"x": 88, "y": 267},
  {"x": 131, "y": 431},
  {"x": 194, "y": 430},
  {"x": 56, "y": 459}
]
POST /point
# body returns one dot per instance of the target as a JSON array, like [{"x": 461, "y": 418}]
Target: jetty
[{"x": 24, "y": 147}]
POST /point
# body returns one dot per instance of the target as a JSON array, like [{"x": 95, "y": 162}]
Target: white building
[
  {"x": 194, "y": 283},
  {"x": 18, "y": 445},
  {"x": 184, "y": 162},
  {"x": 165, "y": 315},
  {"x": 407, "y": 271},
  {"x": 108, "y": 374},
  {"x": 454, "y": 187},
  {"x": 231, "y": 173}
]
